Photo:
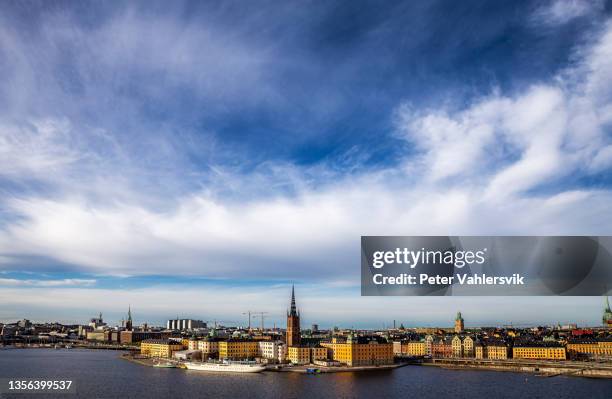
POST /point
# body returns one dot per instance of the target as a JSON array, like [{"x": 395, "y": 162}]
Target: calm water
[{"x": 101, "y": 374}]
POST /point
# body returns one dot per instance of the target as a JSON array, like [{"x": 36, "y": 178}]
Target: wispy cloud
[
  {"x": 557, "y": 12},
  {"x": 11, "y": 282}
]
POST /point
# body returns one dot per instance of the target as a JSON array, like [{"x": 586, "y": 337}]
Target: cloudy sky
[{"x": 196, "y": 160}]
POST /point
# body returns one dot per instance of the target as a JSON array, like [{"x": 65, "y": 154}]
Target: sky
[{"x": 195, "y": 159}]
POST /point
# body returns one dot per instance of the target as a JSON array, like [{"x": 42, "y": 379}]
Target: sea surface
[{"x": 102, "y": 374}]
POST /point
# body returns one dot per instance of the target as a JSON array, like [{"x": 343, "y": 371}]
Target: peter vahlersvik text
[{"x": 461, "y": 279}]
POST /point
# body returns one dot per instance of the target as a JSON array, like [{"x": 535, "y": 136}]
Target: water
[{"x": 101, "y": 374}]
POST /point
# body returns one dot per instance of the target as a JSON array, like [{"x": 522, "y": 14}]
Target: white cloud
[
  {"x": 558, "y": 12},
  {"x": 513, "y": 144},
  {"x": 46, "y": 283},
  {"x": 473, "y": 173}
]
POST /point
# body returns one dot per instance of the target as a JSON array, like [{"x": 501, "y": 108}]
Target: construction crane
[
  {"x": 249, "y": 313},
  {"x": 261, "y": 314}
]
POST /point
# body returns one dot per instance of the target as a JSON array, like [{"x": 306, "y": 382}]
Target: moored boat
[{"x": 226, "y": 367}]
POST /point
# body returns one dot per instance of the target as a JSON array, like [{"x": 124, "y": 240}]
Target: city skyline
[
  {"x": 272, "y": 319},
  {"x": 235, "y": 149}
]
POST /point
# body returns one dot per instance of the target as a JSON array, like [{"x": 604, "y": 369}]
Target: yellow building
[
  {"x": 238, "y": 349},
  {"x": 589, "y": 348},
  {"x": 479, "y": 350},
  {"x": 361, "y": 351},
  {"x": 410, "y": 348},
  {"x": 209, "y": 346},
  {"x": 538, "y": 351},
  {"x": 306, "y": 355},
  {"x": 159, "y": 347},
  {"x": 457, "y": 346},
  {"x": 497, "y": 350},
  {"x": 318, "y": 353},
  {"x": 298, "y": 354},
  {"x": 468, "y": 346}
]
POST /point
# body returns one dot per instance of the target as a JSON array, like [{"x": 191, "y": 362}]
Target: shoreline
[{"x": 537, "y": 368}]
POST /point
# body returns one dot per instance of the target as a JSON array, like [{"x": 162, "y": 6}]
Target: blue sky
[{"x": 197, "y": 158}]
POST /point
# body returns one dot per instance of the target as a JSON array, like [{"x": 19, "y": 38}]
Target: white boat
[{"x": 226, "y": 367}]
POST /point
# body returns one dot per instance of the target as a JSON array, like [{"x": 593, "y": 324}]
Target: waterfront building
[
  {"x": 360, "y": 351},
  {"x": 318, "y": 353},
  {"x": 457, "y": 346},
  {"x": 429, "y": 345},
  {"x": 459, "y": 326},
  {"x": 298, "y": 354},
  {"x": 538, "y": 350},
  {"x": 468, "y": 346},
  {"x": 193, "y": 344},
  {"x": 497, "y": 350},
  {"x": 135, "y": 336},
  {"x": 293, "y": 322},
  {"x": 589, "y": 348},
  {"x": 238, "y": 349},
  {"x": 442, "y": 347},
  {"x": 99, "y": 335},
  {"x": 274, "y": 351},
  {"x": 479, "y": 350},
  {"x": 209, "y": 345},
  {"x": 409, "y": 348},
  {"x": 159, "y": 347}
]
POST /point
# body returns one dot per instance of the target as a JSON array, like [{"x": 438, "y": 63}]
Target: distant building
[
  {"x": 360, "y": 351},
  {"x": 496, "y": 350},
  {"x": 184, "y": 324},
  {"x": 457, "y": 346},
  {"x": 589, "y": 348},
  {"x": 100, "y": 335},
  {"x": 468, "y": 346},
  {"x": 25, "y": 323},
  {"x": 459, "y": 327},
  {"x": 538, "y": 350},
  {"x": 409, "y": 348},
  {"x": 97, "y": 322},
  {"x": 159, "y": 348},
  {"x": 238, "y": 349},
  {"x": 442, "y": 347},
  {"x": 135, "y": 336},
  {"x": 274, "y": 351},
  {"x": 293, "y": 323}
]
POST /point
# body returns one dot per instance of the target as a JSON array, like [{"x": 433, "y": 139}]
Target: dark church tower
[
  {"x": 128, "y": 323},
  {"x": 293, "y": 323}
]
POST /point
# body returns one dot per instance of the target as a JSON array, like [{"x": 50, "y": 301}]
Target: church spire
[{"x": 293, "y": 311}]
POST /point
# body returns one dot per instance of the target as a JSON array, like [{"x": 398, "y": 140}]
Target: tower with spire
[
  {"x": 459, "y": 326},
  {"x": 293, "y": 322},
  {"x": 128, "y": 323},
  {"x": 607, "y": 314}
]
